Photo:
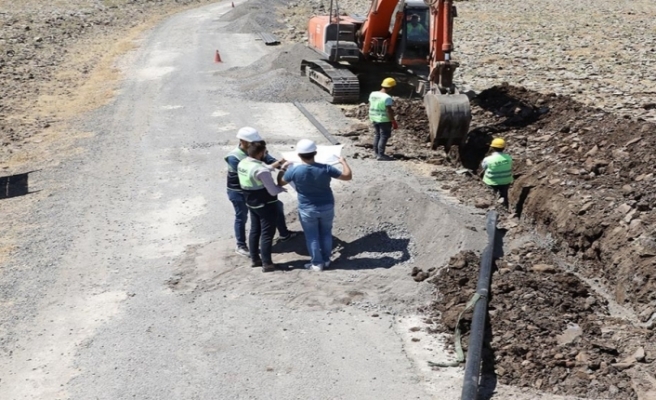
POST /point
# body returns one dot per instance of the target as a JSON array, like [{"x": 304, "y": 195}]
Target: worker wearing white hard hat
[
  {"x": 261, "y": 197},
  {"x": 316, "y": 203},
  {"x": 246, "y": 136}
]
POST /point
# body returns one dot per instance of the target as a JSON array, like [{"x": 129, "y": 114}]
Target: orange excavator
[{"x": 412, "y": 38}]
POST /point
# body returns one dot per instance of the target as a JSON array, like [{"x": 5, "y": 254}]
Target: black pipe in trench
[{"x": 473, "y": 364}]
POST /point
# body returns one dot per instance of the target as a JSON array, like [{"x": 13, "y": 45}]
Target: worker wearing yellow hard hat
[
  {"x": 381, "y": 115},
  {"x": 497, "y": 169}
]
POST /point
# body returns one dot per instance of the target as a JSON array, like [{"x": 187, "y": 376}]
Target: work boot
[
  {"x": 384, "y": 157},
  {"x": 257, "y": 263},
  {"x": 289, "y": 236},
  {"x": 269, "y": 267}
]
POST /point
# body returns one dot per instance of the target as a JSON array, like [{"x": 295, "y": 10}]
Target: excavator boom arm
[
  {"x": 449, "y": 113},
  {"x": 378, "y": 23}
]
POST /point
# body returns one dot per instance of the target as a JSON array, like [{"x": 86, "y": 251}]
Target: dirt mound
[
  {"x": 254, "y": 16},
  {"x": 582, "y": 175},
  {"x": 277, "y": 78},
  {"x": 278, "y": 86},
  {"x": 585, "y": 176},
  {"x": 550, "y": 331}
]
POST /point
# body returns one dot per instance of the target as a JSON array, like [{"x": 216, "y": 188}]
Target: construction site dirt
[
  {"x": 573, "y": 305},
  {"x": 584, "y": 183}
]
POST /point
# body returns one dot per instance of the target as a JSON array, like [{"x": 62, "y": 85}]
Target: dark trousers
[
  {"x": 383, "y": 131},
  {"x": 263, "y": 227},
  {"x": 241, "y": 217},
  {"x": 502, "y": 191}
]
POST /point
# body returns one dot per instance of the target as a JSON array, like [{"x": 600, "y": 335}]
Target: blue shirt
[{"x": 312, "y": 183}]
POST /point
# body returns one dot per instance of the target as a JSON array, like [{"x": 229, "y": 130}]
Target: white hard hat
[
  {"x": 306, "y": 146},
  {"x": 249, "y": 134}
]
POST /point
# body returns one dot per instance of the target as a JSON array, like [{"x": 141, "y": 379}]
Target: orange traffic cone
[{"x": 217, "y": 57}]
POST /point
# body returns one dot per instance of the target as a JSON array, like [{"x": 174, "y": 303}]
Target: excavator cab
[{"x": 414, "y": 46}]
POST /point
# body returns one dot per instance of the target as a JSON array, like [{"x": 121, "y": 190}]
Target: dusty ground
[
  {"x": 56, "y": 61},
  {"x": 549, "y": 329},
  {"x": 600, "y": 247}
]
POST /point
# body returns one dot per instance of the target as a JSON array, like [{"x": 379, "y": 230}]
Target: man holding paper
[{"x": 316, "y": 203}]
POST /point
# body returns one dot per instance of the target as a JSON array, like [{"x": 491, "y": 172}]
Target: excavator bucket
[{"x": 449, "y": 116}]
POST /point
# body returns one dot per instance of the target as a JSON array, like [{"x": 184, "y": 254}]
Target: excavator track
[{"x": 342, "y": 84}]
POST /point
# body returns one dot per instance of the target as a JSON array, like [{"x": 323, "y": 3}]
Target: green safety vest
[
  {"x": 498, "y": 170},
  {"x": 233, "y": 178},
  {"x": 416, "y": 31},
  {"x": 255, "y": 193},
  {"x": 377, "y": 108}
]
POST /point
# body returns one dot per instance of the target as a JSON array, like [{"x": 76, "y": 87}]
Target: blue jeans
[
  {"x": 317, "y": 223},
  {"x": 383, "y": 131},
  {"x": 241, "y": 217}
]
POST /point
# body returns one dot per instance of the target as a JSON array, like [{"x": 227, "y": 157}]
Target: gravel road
[
  {"x": 118, "y": 275},
  {"x": 124, "y": 283}
]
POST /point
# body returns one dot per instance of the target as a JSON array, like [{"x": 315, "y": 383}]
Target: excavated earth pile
[
  {"x": 549, "y": 330},
  {"x": 584, "y": 179},
  {"x": 582, "y": 175}
]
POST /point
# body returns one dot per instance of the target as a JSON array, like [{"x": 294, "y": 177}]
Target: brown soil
[
  {"x": 549, "y": 330},
  {"x": 584, "y": 179},
  {"x": 582, "y": 175}
]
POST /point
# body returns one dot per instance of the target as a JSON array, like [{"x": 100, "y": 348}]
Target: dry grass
[
  {"x": 74, "y": 92},
  {"x": 71, "y": 94}
]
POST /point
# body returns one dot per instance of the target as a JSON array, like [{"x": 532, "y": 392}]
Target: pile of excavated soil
[
  {"x": 550, "y": 331},
  {"x": 254, "y": 16},
  {"x": 277, "y": 78},
  {"x": 582, "y": 175}
]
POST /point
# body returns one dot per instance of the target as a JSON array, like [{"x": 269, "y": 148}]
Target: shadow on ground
[{"x": 375, "y": 250}]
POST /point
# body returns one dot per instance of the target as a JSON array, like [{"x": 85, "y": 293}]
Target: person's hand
[
  {"x": 395, "y": 125},
  {"x": 286, "y": 165},
  {"x": 341, "y": 160}
]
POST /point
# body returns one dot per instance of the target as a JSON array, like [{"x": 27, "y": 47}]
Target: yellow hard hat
[
  {"x": 389, "y": 83},
  {"x": 498, "y": 143}
]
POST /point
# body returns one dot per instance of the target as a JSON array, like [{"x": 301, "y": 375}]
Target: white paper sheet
[{"x": 325, "y": 155}]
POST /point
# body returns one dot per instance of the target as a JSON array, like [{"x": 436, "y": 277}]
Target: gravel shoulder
[{"x": 56, "y": 62}]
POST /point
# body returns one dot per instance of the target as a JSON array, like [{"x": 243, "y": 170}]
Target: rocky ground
[
  {"x": 49, "y": 49},
  {"x": 584, "y": 180},
  {"x": 601, "y": 53},
  {"x": 583, "y": 148},
  {"x": 578, "y": 114},
  {"x": 548, "y": 329}
]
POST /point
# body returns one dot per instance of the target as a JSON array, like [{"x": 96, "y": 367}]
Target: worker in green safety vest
[
  {"x": 497, "y": 169},
  {"x": 416, "y": 31},
  {"x": 246, "y": 136},
  {"x": 381, "y": 115},
  {"x": 261, "y": 196}
]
